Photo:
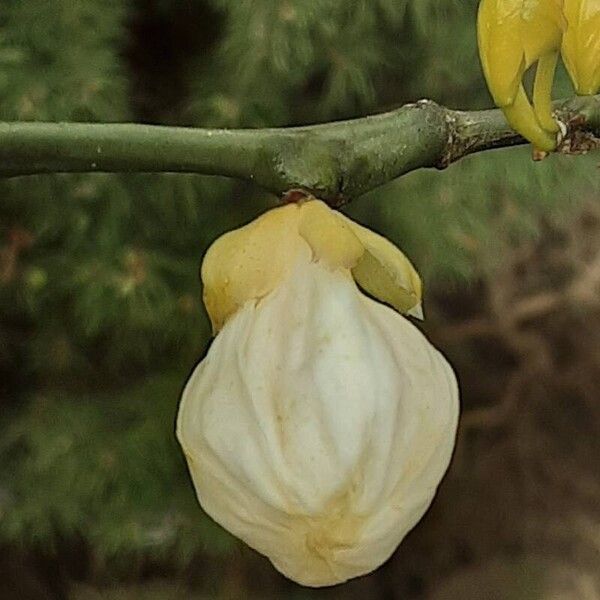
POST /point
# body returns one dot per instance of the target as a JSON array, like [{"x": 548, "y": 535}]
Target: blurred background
[{"x": 101, "y": 319}]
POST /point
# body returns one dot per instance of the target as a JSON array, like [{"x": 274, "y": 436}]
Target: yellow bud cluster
[{"x": 513, "y": 35}]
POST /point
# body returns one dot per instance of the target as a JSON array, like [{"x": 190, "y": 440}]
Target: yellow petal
[
  {"x": 249, "y": 262},
  {"x": 542, "y": 28},
  {"x": 329, "y": 237},
  {"x": 542, "y": 91},
  {"x": 385, "y": 273},
  {"x": 521, "y": 117},
  {"x": 581, "y": 44},
  {"x": 512, "y": 36},
  {"x": 501, "y": 48}
]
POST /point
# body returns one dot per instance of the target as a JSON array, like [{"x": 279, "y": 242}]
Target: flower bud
[
  {"x": 581, "y": 44},
  {"x": 513, "y": 35},
  {"x": 321, "y": 421}
]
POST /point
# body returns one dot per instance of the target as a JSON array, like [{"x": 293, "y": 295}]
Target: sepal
[{"x": 248, "y": 263}]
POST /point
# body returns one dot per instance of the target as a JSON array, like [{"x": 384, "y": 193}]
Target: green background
[{"x": 100, "y": 304}]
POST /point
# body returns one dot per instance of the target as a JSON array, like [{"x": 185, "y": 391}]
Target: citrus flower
[
  {"x": 513, "y": 35},
  {"x": 321, "y": 421},
  {"x": 581, "y": 44}
]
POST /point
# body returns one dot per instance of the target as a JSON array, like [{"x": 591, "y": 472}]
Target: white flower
[{"x": 320, "y": 423}]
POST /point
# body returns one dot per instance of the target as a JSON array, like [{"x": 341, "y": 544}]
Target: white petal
[{"x": 319, "y": 426}]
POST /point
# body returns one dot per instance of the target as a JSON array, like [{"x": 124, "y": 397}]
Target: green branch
[{"x": 334, "y": 161}]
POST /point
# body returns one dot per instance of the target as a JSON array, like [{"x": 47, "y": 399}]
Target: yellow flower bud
[
  {"x": 513, "y": 35},
  {"x": 321, "y": 421},
  {"x": 581, "y": 44}
]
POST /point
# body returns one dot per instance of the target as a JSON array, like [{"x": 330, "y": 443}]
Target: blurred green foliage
[
  {"x": 98, "y": 273},
  {"x": 106, "y": 468}
]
